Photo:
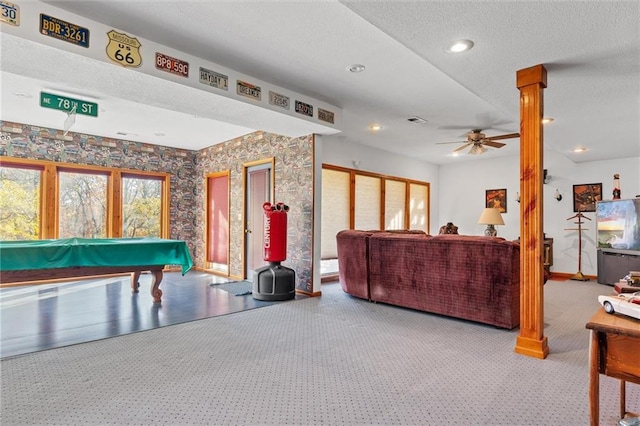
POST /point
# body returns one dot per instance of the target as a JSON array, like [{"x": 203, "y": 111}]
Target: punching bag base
[{"x": 274, "y": 282}]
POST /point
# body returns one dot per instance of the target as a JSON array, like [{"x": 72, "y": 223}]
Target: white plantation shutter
[
  {"x": 367, "y": 202},
  {"x": 419, "y": 206},
  {"x": 335, "y": 209},
  {"x": 394, "y": 204}
]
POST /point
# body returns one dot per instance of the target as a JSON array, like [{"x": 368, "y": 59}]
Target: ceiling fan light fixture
[
  {"x": 459, "y": 46},
  {"x": 477, "y": 149}
]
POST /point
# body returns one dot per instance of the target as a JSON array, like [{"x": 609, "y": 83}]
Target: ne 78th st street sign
[{"x": 69, "y": 105}]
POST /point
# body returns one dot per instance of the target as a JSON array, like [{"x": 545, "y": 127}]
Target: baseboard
[
  {"x": 329, "y": 278},
  {"x": 308, "y": 293},
  {"x": 564, "y": 276}
]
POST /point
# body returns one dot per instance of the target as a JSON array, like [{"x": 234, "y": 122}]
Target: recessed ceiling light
[
  {"x": 459, "y": 46},
  {"x": 547, "y": 120},
  {"x": 375, "y": 127},
  {"x": 580, "y": 149},
  {"x": 356, "y": 68}
]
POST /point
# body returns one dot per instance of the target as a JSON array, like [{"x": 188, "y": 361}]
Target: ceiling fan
[{"x": 478, "y": 140}]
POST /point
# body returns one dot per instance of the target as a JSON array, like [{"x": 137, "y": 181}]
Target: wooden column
[{"x": 531, "y": 341}]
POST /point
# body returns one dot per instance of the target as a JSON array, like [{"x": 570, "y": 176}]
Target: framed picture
[
  {"x": 496, "y": 198},
  {"x": 585, "y": 197}
]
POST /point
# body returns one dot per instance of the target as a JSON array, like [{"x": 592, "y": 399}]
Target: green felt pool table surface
[{"x": 26, "y": 261}]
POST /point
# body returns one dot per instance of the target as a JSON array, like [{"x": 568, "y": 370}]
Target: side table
[{"x": 614, "y": 350}]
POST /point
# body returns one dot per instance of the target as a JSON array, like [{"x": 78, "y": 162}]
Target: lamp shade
[{"x": 490, "y": 216}]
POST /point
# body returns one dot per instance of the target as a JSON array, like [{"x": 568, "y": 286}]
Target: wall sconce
[
  {"x": 557, "y": 195},
  {"x": 517, "y": 196},
  {"x": 546, "y": 178}
]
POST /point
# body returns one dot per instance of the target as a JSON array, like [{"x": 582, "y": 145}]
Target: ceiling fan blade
[
  {"x": 493, "y": 144},
  {"x": 507, "y": 136},
  {"x": 462, "y": 147}
]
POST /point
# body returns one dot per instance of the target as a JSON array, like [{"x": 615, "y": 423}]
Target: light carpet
[{"x": 332, "y": 360}]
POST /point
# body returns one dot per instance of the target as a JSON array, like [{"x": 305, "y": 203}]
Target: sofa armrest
[{"x": 353, "y": 262}]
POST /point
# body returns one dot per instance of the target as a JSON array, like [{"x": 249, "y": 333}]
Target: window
[
  {"x": 141, "y": 207},
  {"x": 353, "y": 199},
  {"x": 44, "y": 199},
  {"x": 394, "y": 203},
  {"x": 82, "y": 205},
  {"x": 19, "y": 203},
  {"x": 419, "y": 206},
  {"x": 218, "y": 222},
  {"x": 335, "y": 209},
  {"x": 367, "y": 202}
]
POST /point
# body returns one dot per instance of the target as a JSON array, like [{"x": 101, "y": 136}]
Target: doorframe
[{"x": 245, "y": 172}]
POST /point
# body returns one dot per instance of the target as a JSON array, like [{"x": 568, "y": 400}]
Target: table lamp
[{"x": 490, "y": 217}]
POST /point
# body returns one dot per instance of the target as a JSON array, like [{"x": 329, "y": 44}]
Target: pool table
[{"x": 38, "y": 260}]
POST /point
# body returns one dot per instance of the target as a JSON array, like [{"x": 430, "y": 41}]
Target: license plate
[
  {"x": 10, "y": 13},
  {"x": 278, "y": 100},
  {"x": 325, "y": 115},
  {"x": 63, "y": 30},
  {"x": 214, "y": 79},
  {"x": 304, "y": 109},
  {"x": 249, "y": 90},
  {"x": 172, "y": 65}
]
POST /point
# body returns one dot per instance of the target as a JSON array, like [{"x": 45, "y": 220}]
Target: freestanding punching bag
[{"x": 274, "y": 281}]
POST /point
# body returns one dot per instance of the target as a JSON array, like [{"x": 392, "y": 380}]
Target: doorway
[{"x": 258, "y": 190}]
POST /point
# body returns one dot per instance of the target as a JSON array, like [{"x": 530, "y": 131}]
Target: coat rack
[{"x": 579, "y": 276}]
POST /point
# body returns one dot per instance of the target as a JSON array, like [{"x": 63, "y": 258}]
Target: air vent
[{"x": 416, "y": 120}]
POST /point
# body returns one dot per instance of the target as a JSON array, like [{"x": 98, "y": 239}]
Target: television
[{"x": 618, "y": 224}]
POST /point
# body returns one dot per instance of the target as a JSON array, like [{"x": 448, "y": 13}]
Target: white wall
[
  {"x": 337, "y": 152},
  {"x": 462, "y": 192}
]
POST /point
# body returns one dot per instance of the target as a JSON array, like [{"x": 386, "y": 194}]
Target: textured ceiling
[{"x": 591, "y": 50}]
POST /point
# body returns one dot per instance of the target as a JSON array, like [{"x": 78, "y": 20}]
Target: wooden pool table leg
[
  {"x": 156, "y": 274},
  {"x": 156, "y": 293},
  {"x": 135, "y": 281}
]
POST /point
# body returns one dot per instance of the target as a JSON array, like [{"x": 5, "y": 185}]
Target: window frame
[
  {"x": 384, "y": 178},
  {"x": 49, "y": 187}
]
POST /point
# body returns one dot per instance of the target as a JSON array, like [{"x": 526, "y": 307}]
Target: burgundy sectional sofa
[{"x": 469, "y": 277}]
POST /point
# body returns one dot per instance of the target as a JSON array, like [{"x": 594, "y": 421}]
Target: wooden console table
[{"x": 614, "y": 350}]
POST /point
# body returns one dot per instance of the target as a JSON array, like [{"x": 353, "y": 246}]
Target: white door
[{"x": 258, "y": 191}]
